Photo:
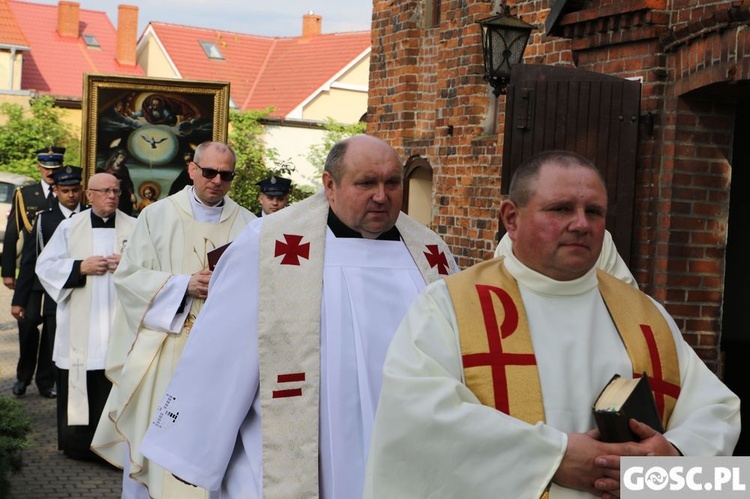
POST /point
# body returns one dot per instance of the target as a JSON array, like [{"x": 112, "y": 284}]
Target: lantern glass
[{"x": 504, "y": 39}]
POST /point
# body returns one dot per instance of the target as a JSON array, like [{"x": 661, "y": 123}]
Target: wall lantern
[{"x": 504, "y": 38}]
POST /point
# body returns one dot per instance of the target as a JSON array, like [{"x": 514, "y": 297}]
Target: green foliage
[
  {"x": 14, "y": 426},
  {"x": 334, "y": 133},
  {"x": 26, "y": 131},
  {"x": 246, "y": 138}
]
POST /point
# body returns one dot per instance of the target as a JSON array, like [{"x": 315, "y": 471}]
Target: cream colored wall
[
  {"x": 18, "y": 99},
  {"x": 5, "y": 70},
  {"x": 5, "y": 65},
  {"x": 293, "y": 144},
  {"x": 420, "y": 196},
  {"x": 73, "y": 118},
  {"x": 153, "y": 60},
  {"x": 343, "y": 105},
  {"x": 359, "y": 74}
]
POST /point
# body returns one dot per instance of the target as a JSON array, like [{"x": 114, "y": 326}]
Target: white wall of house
[{"x": 293, "y": 145}]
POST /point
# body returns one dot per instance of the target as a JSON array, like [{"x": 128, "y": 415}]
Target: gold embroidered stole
[
  {"x": 647, "y": 338},
  {"x": 498, "y": 355}
]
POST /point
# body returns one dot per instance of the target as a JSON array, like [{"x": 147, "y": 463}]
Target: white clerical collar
[
  {"x": 65, "y": 211},
  {"x": 205, "y": 213},
  {"x": 540, "y": 283}
]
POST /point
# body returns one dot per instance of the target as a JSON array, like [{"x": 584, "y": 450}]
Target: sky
[{"x": 257, "y": 17}]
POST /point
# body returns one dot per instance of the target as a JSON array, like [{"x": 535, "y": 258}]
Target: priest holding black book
[{"x": 489, "y": 382}]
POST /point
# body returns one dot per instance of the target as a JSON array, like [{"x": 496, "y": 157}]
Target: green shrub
[{"x": 14, "y": 426}]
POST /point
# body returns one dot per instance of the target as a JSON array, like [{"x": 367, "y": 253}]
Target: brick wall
[{"x": 427, "y": 97}]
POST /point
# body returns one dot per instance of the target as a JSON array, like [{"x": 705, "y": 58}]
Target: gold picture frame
[{"x": 143, "y": 130}]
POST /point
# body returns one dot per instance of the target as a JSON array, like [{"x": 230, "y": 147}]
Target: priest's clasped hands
[
  {"x": 100, "y": 265},
  {"x": 594, "y": 466}
]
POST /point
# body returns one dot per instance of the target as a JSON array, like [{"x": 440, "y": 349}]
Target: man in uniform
[
  {"x": 161, "y": 284},
  {"x": 76, "y": 268},
  {"x": 489, "y": 381},
  {"x": 302, "y": 308},
  {"x": 274, "y": 194},
  {"x": 27, "y": 202},
  {"x": 67, "y": 188}
]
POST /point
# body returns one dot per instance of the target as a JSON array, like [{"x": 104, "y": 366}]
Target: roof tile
[
  {"x": 263, "y": 71},
  {"x": 56, "y": 65},
  {"x": 10, "y": 31}
]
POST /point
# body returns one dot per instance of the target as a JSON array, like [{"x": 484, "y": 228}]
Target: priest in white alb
[
  {"x": 76, "y": 268},
  {"x": 489, "y": 381},
  {"x": 162, "y": 283},
  {"x": 302, "y": 309}
]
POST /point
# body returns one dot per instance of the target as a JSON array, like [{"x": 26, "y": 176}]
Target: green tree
[
  {"x": 334, "y": 133},
  {"x": 26, "y": 131},
  {"x": 253, "y": 159}
]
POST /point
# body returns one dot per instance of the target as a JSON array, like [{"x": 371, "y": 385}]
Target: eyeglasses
[
  {"x": 211, "y": 173},
  {"x": 107, "y": 192}
]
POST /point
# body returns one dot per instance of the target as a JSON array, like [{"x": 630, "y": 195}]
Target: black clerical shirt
[
  {"x": 340, "y": 229},
  {"x": 76, "y": 279}
]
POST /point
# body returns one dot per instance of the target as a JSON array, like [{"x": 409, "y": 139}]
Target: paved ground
[{"x": 47, "y": 474}]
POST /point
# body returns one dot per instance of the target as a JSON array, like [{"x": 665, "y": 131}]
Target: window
[
  {"x": 91, "y": 41},
  {"x": 431, "y": 13},
  {"x": 417, "y": 202},
  {"x": 211, "y": 50}
]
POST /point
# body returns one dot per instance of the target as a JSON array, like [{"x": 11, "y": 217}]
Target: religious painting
[{"x": 144, "y": 131}]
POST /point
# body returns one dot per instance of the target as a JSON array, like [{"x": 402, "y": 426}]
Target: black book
[{"x": 621, "y": 400}]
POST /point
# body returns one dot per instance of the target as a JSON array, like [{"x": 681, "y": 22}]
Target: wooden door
[{"x": 595, "y": 115}]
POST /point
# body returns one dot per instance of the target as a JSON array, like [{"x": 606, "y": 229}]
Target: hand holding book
[{"x": 623, "y": 399}]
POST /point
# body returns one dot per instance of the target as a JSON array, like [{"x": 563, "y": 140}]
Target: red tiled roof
[
  {"x": 55, "y": 65},
  {"x": 263, "y": 71},
  {"x": 10, "y": 32}
]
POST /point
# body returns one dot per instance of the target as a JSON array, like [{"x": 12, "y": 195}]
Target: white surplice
[
  {"x": 53, "y": 267},
  {"x": 433, "y": 438},
  {"x": 367, "y": 288},
  {"x": 84, "y": 314}
]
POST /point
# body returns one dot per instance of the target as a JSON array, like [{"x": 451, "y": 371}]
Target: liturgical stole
[
  {"x": 498, "y": 355},
  {"x": 81, "y": 244},
  {"x": 292, "y": 254}
]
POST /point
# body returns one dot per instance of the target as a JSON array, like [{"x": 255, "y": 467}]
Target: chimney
[
  {"x": 67, "y": 19},
  {"x": 127, "y": 32},
  {"x": 311, "y": 25}
]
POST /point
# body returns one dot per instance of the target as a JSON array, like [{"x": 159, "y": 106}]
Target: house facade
[
  {"x": 13, "y": 44},
  {"x": 304, "y": 80},
  {"x": 52, "y": 46},
  {"x": 675, "y": 156}
]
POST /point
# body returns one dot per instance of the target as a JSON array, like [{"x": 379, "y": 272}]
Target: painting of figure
[{"x": 140, "y": 129}]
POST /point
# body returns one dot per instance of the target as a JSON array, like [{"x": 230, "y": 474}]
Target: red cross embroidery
[
  {"x": 292, "y": 250},
  {"x": 288, "y": 378},
  {"x": 437, "y": 259},
  {"x": 496, "y": 358},
  {"x": 659, "y": 386}
]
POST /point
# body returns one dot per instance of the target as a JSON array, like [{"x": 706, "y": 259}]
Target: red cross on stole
[
  {"x": 661, "y": 388},
  {"x": 647, "y": 338},
  {"x": 436, "y": 258},
  {"x": 292, "y": 250},
  {"x": 498, "y": 356},
  {"x": 495, "y": 357}
]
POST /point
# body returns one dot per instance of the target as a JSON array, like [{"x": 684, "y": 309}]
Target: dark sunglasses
[{"x": 211, "y": 173}]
